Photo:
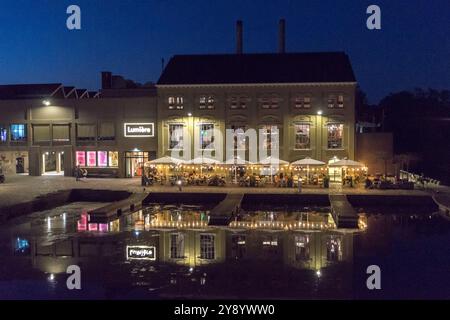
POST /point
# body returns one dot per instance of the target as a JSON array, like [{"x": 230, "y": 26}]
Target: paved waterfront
[{"x": 22, "y": 188}]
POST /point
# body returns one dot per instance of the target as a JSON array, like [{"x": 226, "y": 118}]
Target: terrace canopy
[
  {"x": 272, "y": 161},
  {"x": 346, "y": 163},
  {"x": 165, "y": 160},
  {"x": 203, "y": 160},
  {"x": 308, "y": 162}
]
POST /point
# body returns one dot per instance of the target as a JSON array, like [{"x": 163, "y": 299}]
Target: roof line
[{"x": 259, "y": 84}]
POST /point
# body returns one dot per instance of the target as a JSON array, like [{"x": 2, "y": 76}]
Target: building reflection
[{"x": 193, "y": 245}]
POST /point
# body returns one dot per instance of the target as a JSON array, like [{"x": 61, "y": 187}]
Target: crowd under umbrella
[
  {"x": 236, "y": 161},
  {"x": 347, "y": 163},
  {"x": 203, "y": 161},
  {"x": 308, "y": 162},
  {"x": 272, "y": 161}
]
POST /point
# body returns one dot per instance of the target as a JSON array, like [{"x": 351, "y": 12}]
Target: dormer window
[
  {"x": 176, "y": 103},
  {"x": 269, "y": 102},
  {"x": 238, "y": 103},
  {"x": 336, "y": 101},
  {"x": 206, "y": 102},
  {"x": 302, "y": 102}
]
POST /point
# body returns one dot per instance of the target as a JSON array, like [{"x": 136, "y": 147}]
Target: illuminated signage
[
  {"x": 139, "y": 130},
  {"x": 141, "y": 253}
]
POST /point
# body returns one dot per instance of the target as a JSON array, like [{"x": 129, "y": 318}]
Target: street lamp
[
  {"x": 319, "y": 112},
  {"x": 46, "y": 102}
]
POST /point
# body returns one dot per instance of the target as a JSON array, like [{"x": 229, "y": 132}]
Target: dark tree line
[{"x": 420, "y": 123}]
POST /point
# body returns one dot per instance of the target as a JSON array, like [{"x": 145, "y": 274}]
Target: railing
[{"x": 419, "y": 179}]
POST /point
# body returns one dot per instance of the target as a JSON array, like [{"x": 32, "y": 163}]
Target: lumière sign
[
  {"x": 139, "y": 130},
  {"x": 141, "y": 253}
]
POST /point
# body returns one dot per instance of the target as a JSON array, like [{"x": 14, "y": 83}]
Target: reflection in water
[{"x": 163, "y": 252}]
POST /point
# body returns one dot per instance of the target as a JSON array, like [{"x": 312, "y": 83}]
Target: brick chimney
[
  {"x": 281, "y": 36},
  {"x": 106, "y": 80},
  {"x": 239, "y": 31}
]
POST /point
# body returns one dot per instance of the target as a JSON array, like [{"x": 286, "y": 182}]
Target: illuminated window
[
  {"x": 176, "y": 136},
  {"x": 334, "y": 248},
  {"x": 102, "y": 158},
  {"x": 80, "y": 157},
  {"x": 177, "y": 246},
  {"x": 206, "y": 136},
  {"x": 335, "y": 134},
  {"x": 176, "y": 103},
  {"x": 19, "y": 132},
  {"x": 239, "y": 137},
  {"x": 238, "y": 103},
  {"x": 238, "y": 246},
  {"x": 3, "y": 134},
  {"x": 207, "y": 248},
  {"x": 270, "y": 245},
  {"x": 302, "y": 140},
  {"x": 206, "y": 102},
  {"x": 302, "y": 102},
  {"x": 269, "y": 102},
  {"x": 336, "y": 101},
  {"x": 340, "y": 101},
  {"x": 91, "y": 158},
  {"x": 270, "y": 137},
  {"x": 113, "y": 158},
  {"x": 302, "y": 248}
]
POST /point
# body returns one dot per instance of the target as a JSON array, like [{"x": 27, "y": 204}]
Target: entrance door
[
  {"x": 20, "y": 165},
  {"x": 134, "y": 163}
]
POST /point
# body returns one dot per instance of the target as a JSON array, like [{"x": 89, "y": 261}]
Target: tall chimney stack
[
  {"x": 106, "y": 80},
  {"x": 281, "y": 36},
  {"x": 239, "y": 37}
]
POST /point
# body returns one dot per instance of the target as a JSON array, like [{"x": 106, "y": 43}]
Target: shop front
[
  {"x": 98, "y": 162},
  {"x": 134, "y": 162}
]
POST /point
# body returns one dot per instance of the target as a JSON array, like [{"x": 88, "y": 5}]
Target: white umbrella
[
  {"x": 346, "y": 163},
  {"x": 164, "y": 160},
  {"x": 307, "y": 162},
  {"x": 271, "y": 160},
  {"x": 203, "y": 160}
]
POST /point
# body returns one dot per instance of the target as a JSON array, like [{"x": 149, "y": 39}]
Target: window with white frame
[
  {"x": 336, "y": 101},
  {"x": 302, "y": 248},
  {"x": 237, "y": 102},
  {"x": 334, "y": 248},
  {"x": 206, "y": 103},
  {"x": 302, "y": 102},
  {"x": 206, "y": 136},
  {"x": 239, "y": 137},
  {"x": 176, "y": 136},
  {"x": 271, "y": 137},
  {"x": 176, "y": 102},
  {"x": 207, "y": 247},
  {"x": 340, "y": 101},
  {"x": 335, "y": 133},
  {"x": 177, "y": 246},
  {"x": 269, "y": 102},
  {"x": 302, "y": 137}
]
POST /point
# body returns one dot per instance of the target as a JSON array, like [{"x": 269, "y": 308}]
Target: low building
[{"x": 51, "y": 129}]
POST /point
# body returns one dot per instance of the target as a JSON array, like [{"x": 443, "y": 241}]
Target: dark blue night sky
[{"x": 129, "y": 37}]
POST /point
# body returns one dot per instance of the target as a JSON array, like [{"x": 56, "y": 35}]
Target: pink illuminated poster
[
  {"x": 81, "y": 158},
  {"x": 102, "y": 158},
  {"x": 91, "y": 158}
]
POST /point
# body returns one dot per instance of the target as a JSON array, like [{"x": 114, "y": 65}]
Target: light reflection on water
[{"x": 194, "y": 260}]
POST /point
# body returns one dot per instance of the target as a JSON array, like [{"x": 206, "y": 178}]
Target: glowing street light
[
  {"x": 46, "y": 102},
  {"x": 319, "y": 112}
]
